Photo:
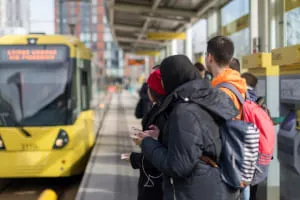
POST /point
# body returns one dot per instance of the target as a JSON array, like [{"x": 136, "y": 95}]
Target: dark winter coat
[
  {"x": 144, "y": 103},
  {"x": 149, "y": 189},
  {"x": 252, "y": 93},
  {"x": 189, "y": 133}
]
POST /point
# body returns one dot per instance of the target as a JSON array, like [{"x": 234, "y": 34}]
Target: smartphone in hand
[
  {"x": 125, "y": 156},
  {"x": 134, "y": 136},
  {"x": 136, "y": 131}
]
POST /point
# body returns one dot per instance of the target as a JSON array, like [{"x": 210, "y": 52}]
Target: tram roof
[{"x": 45, "y": 39}]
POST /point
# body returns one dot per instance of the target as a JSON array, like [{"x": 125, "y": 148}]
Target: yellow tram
[{"x": 46, "y": 121}]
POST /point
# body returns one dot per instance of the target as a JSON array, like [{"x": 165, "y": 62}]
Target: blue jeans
[{"x": 246, "y": 193}]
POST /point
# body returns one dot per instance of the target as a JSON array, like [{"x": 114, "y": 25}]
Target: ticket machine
[
  {"x": 260, "y": 65},
  {"x": 288, "y": 59}
]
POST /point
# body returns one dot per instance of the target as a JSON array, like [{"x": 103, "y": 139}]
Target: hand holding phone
[
  {"x": 153, "y": 132},
  {"x": 125, "y": 156}
]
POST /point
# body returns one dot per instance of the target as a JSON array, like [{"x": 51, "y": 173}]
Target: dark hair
[
  {"x": 221, "y": 48},
  {"x": 251, "y": 80},
  {"x": 156, "y": 67},
  {"x": 199, "y": 66},
  {"x": 235, "y": 64},
  {"x": 157, "y": 97}
]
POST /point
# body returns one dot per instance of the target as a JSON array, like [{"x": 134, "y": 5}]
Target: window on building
[
  {"x": 94, "y": 19},
  {"x": 81, "y": 36},
  {"x": 234, "y": 12},
  {"x": 17, "y": 14},
  {"x": 72, "y": 8},
  {"x": 64, "y": 14},
  {"x": 107, "y": 37},
  {"x": 94, "y": 10},
  {"x": 65, "y": 29},
  {"x": 104, "y": 20},
  {"x": 94, "y": 46},
  {"x": 85, "y": 27},
  {"x": 94, "y": 37},
  {"x": 115, "y": 63},
  {"x": 292, "y": 16},
  {"x": 107, "y": 45},
  {"x": 73, "y": 19},
  {"x": 95, "y": 27},
  {"x": 88, "y": 44},
  {"x": 107, "y": 63},
  {"x": 116, "y": 54}
]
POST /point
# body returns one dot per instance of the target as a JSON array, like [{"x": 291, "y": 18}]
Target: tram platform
[{"x": 107, "y": 176}]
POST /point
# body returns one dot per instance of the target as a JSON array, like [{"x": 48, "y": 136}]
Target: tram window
[{"x": 84, "y": 91}]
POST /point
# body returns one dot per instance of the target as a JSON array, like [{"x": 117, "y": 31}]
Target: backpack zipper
[{"x": 174, "y": 193}]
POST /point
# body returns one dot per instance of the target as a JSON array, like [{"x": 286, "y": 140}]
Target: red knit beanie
[{"x": 154, "y": 82}]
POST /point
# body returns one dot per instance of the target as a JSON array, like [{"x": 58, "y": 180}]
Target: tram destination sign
[{"x": 33, "y": 53}]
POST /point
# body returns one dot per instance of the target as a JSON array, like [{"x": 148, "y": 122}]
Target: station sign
[
  {"x": 291, "y": 4},
  {"x": 136, "y": 62},
  {"x": 286, "y": 56},
  {"x": 236, "y": 26},
  {"x": 257, "y": 60},
  {"x": 166, "y": 36},
  {"x": 148, "y": 53}
]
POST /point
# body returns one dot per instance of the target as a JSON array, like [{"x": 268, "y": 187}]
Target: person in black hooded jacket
[
  {"x": 190, "y": 132},
  {"x": 150, "y": 180}
]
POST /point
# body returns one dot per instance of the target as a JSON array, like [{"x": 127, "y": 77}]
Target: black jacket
[
  {"x": 149, "y": 189},
  {"x": 144, "y": 103},
  {"x": 189, "y": 133}
]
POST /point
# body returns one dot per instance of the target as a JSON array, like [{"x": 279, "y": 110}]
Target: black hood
[
  {"x": 177, "y": 70},
  {"x": 200, "y": 92}
]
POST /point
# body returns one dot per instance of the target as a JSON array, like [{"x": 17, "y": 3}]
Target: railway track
[{"x": 30, "y": 189}]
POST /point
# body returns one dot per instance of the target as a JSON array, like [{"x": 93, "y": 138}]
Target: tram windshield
[{"x": 33, "y": 93}]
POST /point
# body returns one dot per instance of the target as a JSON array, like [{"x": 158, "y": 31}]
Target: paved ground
[{"x": 107, "y": 177}]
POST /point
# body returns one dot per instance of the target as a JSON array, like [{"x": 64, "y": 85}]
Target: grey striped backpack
[
  {"x": 240, "y": 148},
  {"x": 239, "y": 151}
]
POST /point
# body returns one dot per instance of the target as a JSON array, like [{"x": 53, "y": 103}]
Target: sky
[{"x": 42, "y": 16}]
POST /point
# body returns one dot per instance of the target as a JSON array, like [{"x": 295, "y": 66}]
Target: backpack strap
[{"x": 233, "y": 89}]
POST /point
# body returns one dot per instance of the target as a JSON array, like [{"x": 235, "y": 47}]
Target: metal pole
[{"x": 188, "y": 44}]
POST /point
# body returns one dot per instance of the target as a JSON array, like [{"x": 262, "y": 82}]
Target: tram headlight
[
  {"x": 2, "y": 146},
  {"x": 61, "y": 140}
]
